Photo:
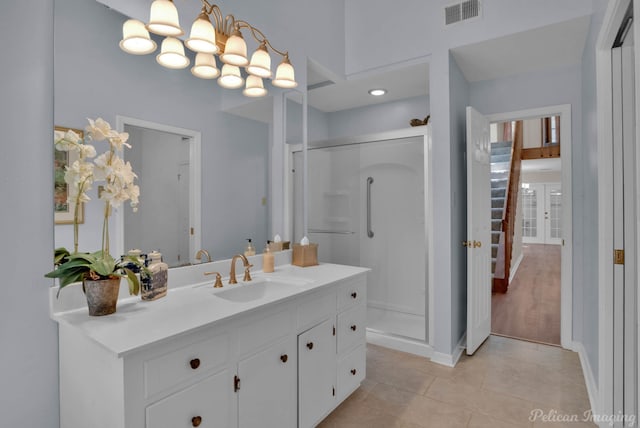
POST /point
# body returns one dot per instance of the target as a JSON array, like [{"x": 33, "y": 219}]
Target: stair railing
[{"x": 505, "y": 244}]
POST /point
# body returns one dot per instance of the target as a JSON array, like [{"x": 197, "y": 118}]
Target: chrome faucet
[
  {"x": 247, "y": 266},
  {"x": 201, "y": 253}
]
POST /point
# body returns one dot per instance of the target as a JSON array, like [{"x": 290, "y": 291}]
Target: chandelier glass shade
[{"x": 211, "y": 33}]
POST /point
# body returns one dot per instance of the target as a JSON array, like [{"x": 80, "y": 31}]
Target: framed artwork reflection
[{"x": 63, "y": 211}]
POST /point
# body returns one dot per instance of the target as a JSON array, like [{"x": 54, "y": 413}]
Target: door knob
[
  {"x": 465, "y": 244},
  {"x": 310, "y": 345},
  {"x": 284, "y": 358},
  {"x": 477, "y": 244}
]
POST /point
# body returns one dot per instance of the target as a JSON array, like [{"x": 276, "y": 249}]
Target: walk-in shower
[{"x": 366, "y": 207}]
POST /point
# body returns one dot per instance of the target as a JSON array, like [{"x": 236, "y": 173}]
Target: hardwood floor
[{"x": 530, "y": 309}]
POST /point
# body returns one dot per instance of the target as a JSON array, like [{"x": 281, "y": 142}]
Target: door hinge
[
  {"x": 618, "y": 257},
  {"x": 192, "y": 231},
  {"x": 334, "y": 330},
  {"x": 333, "y": 391},
  {"x": 236, "y": 384},
  {"x": 563, "y": 242}
]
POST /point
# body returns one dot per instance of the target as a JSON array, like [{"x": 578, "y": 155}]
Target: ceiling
[
  {"x": 400, "y": 83},
  {"x": 542, "y": 48}
]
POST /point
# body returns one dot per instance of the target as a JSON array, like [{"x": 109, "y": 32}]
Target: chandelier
[{"x": 222, "y": 38}]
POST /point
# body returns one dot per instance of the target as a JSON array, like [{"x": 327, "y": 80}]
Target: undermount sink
[{"x": 255, "y": 290}]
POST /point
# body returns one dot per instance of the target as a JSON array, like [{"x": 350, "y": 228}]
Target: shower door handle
[{"x": 369, "y": 231}]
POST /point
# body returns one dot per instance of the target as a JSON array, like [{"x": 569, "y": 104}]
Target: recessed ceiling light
[{"x": 377, "y": 92}]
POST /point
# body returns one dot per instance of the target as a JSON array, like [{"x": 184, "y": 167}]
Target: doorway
[{"x": 563, "y": 112}]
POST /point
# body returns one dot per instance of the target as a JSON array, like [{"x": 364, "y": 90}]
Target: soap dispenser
[
  {"x": 249, "y": 251},
  {"x": 267, "y": 260}
]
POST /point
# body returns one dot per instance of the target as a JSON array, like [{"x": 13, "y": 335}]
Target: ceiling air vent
[{"x": 463, "y": 11}]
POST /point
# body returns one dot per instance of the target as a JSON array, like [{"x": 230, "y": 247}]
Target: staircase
[{"x": 500, "y": 168}]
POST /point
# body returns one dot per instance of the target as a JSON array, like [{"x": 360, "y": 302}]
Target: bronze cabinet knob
[
  {"x": 195, "y": 363},
  {"x": 353, "y": 327},
  {"x": 196, "y": 421},
  {"x": 354, "y": 295},
  {"x": 310, "y": 345},
  {"x": 284, "y": 358},
  {"x": 353, "y": 372}
]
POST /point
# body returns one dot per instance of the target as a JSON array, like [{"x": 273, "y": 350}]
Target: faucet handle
[
  {"x": 218, "y": 283},
  {"x": 247, "y": 274}
]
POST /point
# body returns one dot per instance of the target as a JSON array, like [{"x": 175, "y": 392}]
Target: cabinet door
[
  {"x": 316, "y": 373},
  {"x": 205, "y": 404},
  {"x": 267, "y": 395}
]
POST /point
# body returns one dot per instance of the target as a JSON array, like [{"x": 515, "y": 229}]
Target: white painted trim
[
  {"x": 399, "y": 343},
  {"x": 514, "y": 268},
  {"x": 450, "y": 360},
  {"x": 589, "y": 379},
  {"x": 195, "y": 180},
  {"x": 566, "y": 288},
  {"x": 611, "y": 22}
]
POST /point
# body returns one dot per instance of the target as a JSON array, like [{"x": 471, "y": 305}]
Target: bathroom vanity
[{"x": 280, "y": 351}]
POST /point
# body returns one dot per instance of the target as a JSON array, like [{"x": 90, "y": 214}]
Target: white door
[
  {"x": 625, "y": 362},
  {"x": 541, "y": 213},
  {"x": 478, "y": 230}
]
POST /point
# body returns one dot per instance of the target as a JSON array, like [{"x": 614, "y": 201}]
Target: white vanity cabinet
[{"x": 287, "y": 363}]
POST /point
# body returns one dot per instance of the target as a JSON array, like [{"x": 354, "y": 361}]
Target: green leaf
[
  {"x": 104, "y": 267},
  {"x": 134, "y": 283}
]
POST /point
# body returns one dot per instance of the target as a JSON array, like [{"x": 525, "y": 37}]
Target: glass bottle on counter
[{"x": 154, "y": 283}]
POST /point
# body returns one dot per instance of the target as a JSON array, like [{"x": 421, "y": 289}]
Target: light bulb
[
  {"x": 285, "y": 75},
  {"x": 172, "y": 54},
  {"x": 205, "y": 67},
  {"x": 254, "y": 87},
  {"x": 260, "y": 64},
  {"x": 135, "y": 38},
  {"x": 235, "y": 50},
  {"x": 202, "y": 37},
  {"x": 230, "y": 77},
  {"x": 163, "y": 19}
]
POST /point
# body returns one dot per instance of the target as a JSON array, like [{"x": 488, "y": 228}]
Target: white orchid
[
  {"x": 98, "y": 130},
  {"x": 108, "y": 167},
  {"x": 118, "y": 139},
  {"x": 66, "y": 141}
]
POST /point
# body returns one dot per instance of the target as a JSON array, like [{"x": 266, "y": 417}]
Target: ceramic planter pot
[{"x": 102, "y": 295}]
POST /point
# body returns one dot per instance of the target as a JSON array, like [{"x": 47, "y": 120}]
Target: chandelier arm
[{"x": 259, "y": 36}]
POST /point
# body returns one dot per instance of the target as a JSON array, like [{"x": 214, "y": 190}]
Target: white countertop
[{"x": 138, "y": 324}]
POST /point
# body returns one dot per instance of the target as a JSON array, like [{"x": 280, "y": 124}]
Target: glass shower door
[{"x": 366, "y": 208}]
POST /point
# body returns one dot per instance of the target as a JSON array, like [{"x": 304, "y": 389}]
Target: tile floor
[{"x": 498, "y": 387}]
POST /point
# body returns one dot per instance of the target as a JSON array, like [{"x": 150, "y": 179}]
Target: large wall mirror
[{"x": 94, "y": 78}]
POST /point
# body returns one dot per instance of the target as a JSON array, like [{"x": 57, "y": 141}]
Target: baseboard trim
[
  {"x": 515, "y": 267},
  {"x": 589, "y": 380},
  {"x": 399, "y": 343},
  {"x": 450, "y": 360}
]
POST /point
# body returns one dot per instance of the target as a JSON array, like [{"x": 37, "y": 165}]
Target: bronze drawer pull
[
  {"x": 196, "y": 421},
  {"x": 354, "y": 295},
  {"x": 195, "y": 363},
  {"x": 284, "y": 358},
  {"x": 353, "y": 372},
  {"x": 310, "y": 345},
  {"x": 353, "y": 327}
]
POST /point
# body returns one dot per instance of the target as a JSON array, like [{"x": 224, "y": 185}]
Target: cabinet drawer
[
  {"x": 351, "y": 327},
  {"x": 316, "y": 308},
  {"x": 170, "y": 369},
  {"x": 351, "y": 371},
  {"x": 352, "y": 291},
  {"x": 205, "y": 404},
  {"x": 264, "y": 331}
]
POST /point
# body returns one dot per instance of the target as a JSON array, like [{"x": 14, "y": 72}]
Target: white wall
[
  {"x": 28, "y": 338},
  {"x": 459, "y": 90},
  {"x": 95, "y": 78},
  {"x": 378, "y": 117}
]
